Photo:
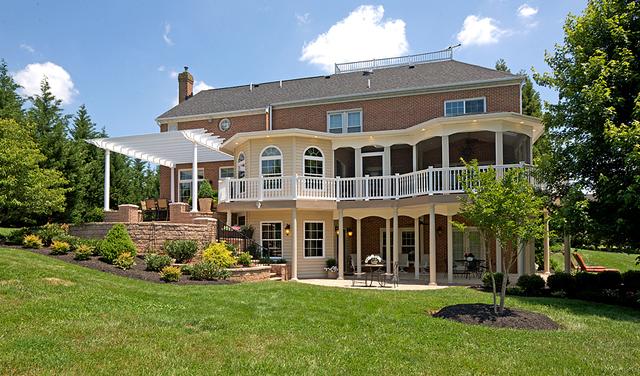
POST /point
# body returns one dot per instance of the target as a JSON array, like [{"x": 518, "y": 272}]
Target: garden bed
[
  {"x": 482, "y": 314},
  {"x": 256, "y": 273}
]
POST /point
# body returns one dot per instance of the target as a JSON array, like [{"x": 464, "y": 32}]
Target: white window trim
[
  {"x": 220, "y": 171},
  {"x": 382, "y": 242},
  {"x": 281, "y": 237},
  {"x": 271, "y": 157},
  {"x": 304, "y": 238},
  {"x": 464, "y": 105},
  {"x": 345, "y": 119},
  {"x": 465, "y": 241},
  {"x": 180, "y": 181},
  {"x": 172, "y": 127},
  {"x": 305, "y": 157}
]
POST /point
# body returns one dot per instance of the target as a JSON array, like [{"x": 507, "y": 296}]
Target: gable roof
[{"x": 418, "y": 76}]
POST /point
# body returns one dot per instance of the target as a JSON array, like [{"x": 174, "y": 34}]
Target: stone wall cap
[
  {"x": 204, "y": 219},
  {"x": 128, "y": 206},
  {"x": 178, "y": 203}
]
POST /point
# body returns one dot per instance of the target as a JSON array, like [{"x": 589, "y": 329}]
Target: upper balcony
[{"x": 431, "y": 181}]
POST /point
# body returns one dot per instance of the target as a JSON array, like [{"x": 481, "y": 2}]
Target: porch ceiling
[{"x": 166, "y": 148}]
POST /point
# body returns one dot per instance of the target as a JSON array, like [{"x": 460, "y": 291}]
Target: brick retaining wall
[{"x": 149, "y": 236}]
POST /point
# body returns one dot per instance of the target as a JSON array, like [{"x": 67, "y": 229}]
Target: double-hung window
[
  {"x": 226, "y": 172},
  {"x": 271, "y": 167},
  {"x": 184, "y": 183},
  {"x": 271, "y": 237},
  {"x": 344, "y": 121},
  {"x": 314, "y": 239},
  {"x": 464, "y": 107}
]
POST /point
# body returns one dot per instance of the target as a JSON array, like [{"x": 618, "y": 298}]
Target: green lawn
[
  {"x": 58, "y": 318},
  {"x": 620, "y": 261}
]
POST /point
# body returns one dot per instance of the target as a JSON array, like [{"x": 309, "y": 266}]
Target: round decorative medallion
[{"x": 224, "y": 124}]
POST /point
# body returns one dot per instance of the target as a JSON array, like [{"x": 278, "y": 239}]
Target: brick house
[{"x": 363, "y": 161}]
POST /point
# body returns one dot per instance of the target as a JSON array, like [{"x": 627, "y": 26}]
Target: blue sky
[{"x": 120, "y": 57}]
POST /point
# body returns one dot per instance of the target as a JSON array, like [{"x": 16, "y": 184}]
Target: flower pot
[
  {"x": 204, "y": 204},
  {"x": 332, "y": 275}
]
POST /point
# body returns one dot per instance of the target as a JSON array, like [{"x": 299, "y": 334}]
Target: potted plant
[
  {"x": 205, "y": 196},
  {"x": 373, "y": 260},
  {"x": 332, "y": 268}
]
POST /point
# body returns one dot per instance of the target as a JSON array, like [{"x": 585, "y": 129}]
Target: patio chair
[
  {"x": 152, "y": 208},
  {"x": 147, "y": 213},
  {"x": 394, "y": 276},
  {"x": 356, "y": 275},
  {"x": 163, "y": 209},
  {"x": 424, "y": 267},
  {"x": 592, "y": 268},
  {"x": 404, "y": 262}
]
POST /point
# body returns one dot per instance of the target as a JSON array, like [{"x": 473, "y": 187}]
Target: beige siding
[{"x": 307, "y": 267}]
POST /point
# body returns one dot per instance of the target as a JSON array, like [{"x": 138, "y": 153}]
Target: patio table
[{"x": 370, "y": 270}]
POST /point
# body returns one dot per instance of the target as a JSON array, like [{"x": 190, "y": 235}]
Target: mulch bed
[
  {"x": 137, "y": 271},
  {"x": 482, "y": 314}
]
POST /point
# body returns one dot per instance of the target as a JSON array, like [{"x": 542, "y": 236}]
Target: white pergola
[{"x": 165, "y": 149}]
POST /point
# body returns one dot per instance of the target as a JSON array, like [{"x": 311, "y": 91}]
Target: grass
[
  {"x": 58, "y": 318},
  {"x": 615, "y": 260}
]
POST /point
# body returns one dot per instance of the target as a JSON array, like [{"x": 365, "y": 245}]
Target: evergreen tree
[
  {"x": 501, "y": 66},
  {"x": 10, "y": 101}
]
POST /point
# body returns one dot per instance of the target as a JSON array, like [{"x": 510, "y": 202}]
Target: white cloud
[
  {"x": 27, "y": 48},
  {"x": 526, "y": 11},
  {"x": 165, "y": 36},
  {"x": 480, "y": 31},
  {"x": 361, "y": 35},
  {"x": 161, "y": 68},
  {"x": 199, "y": 86},
  {"x": 173, "y": 74},
  {"x": 303, "y": 19},
  {"x": 60, "y": 81}
]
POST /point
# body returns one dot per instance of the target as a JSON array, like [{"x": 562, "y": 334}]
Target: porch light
[
  {"x": 349, "y": 232},
  {"x": 337, "y": 231},
  {"x": 287, "y": 229}
]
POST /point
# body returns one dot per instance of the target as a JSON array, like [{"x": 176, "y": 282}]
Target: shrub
[
  {"x": 486, "y": 280},
  {"x": 208, "y": 271},
  {"x": 170, "y": 274},
  {"x": 244, "y": 259},
  {"x": 562, "y": 281},
  {"x": 219, "y": 255},
  {"x": 94, "y": 244},
  {"x": 156, "y": 263},
  {"x": 51, "y": 230},
  {"x": 186, "y": 269},
  {"x": 330, "y": 263},
  {"x": 631, "y": 279},
  {"x": 531, "y": 284},
  {"x": 269, "y": 261},
  {"x": 586, "y": 281},
  {"x": 205, "y": 190},
  {"x": 181, "y": 250},
  {"x": 116, "y": 242},
  {"x": 17, "y": 236},
  {"x": 73, "y": 241},
  {"x": 610, "y": 279},
  {"x": 554, "y": 266},
  {"x": 82, "y": 252},
  {"x": 94, "y": 215},
  {"x": 60, "y": 248},
  {"x": 32, "y": 241},
  {"x": 125, "y": 261}
]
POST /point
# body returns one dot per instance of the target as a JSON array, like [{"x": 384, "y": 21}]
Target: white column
[
  {"x": 107, "y": 178},
  {"x": 194, "y": 180},
  {"x": 388, "y": 245},
  {"x": 499, "y": 148},
  {"x": 498, "y": 256},
  {"x": 386, "y": 161},
  {"x": 547, "y": 267},
  {"x": 396, "y": 236},
  {"x": 567, "y": 253},
  {"x": 415, "y": 157},
  {"x": 229, "y": 218},
  {"x": 358, "y": 161},
  {"x": 450, "y": 248},
  {"x": 359, "y": 245},
  {"x": 432, "y": 245},
  {"x": 446, "y": 179},
  {"x": 416, "y": 247},
  {"x": 294, "y": 241},
  {"x": 173, "y": 184},
  {"x": 340, "y": 244}
]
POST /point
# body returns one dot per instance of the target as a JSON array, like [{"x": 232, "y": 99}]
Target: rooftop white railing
[{"x": 432, "y": 181}]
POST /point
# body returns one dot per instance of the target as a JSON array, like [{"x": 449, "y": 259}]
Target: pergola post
[
  {"x": 395, "y": 237},
  {"x": 359, "y": 245},
  {"x": 388, "y": 243},
  {"x": 432, "y": 245},
  {"x": 340, "y": 244},
  {"x": 173, "y": 184},
  {"x": 416, "y": 247},
  {"x": 107, "y": 178},
  {"x": 194, "y": 180},
  {"x": 294, "y": 248}
]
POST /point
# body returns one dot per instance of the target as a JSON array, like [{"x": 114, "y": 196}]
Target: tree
[
  {"x": 10, "y": 101},
  {"x": 594, "y": 129},
  {"x": 27, "y": 191},
  {"x": 501, "y": 66},
  {"x": 506, "y": 209}
]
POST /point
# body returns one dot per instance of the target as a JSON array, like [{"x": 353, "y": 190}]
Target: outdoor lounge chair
[{"x": 592, "y": 268}]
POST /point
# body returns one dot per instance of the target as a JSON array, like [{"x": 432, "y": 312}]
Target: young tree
[
  {"x": 503, "y": 208},
  {"x": 10, "y": 101},
  {"x": 501, "y": 65},
  {"x": 594, "y": 128},
  {"x": 27, "y": 191}
]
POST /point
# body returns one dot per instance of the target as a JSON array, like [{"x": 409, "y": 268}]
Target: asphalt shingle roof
[{"x": 237, "y": 98}]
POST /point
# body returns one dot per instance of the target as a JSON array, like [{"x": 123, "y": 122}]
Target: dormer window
[
  {"x": 464, "y": 107},
  {"x": 344, "y": 121}
]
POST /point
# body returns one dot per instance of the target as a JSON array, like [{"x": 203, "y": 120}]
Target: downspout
[{"x": 270, "y": 110}]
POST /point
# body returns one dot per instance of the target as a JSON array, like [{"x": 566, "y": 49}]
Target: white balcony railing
[{"x": 432, "y": 181}]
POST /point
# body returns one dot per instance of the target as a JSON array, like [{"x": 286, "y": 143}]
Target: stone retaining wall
[
  {"x": 254, "y": 273},
  {"x": 149, "y": 236}
]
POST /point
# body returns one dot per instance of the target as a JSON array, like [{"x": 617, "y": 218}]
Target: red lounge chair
[{"x": 590, "y": 269}]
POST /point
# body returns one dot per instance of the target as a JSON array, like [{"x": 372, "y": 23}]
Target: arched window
[
  {"x": 241, "y": 166},
  {"x": 313, "y": 162},
  {"x": 271, "y": 167}
]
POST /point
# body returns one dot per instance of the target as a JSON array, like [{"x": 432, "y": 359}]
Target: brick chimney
[{"x": 185, "y": 85}]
